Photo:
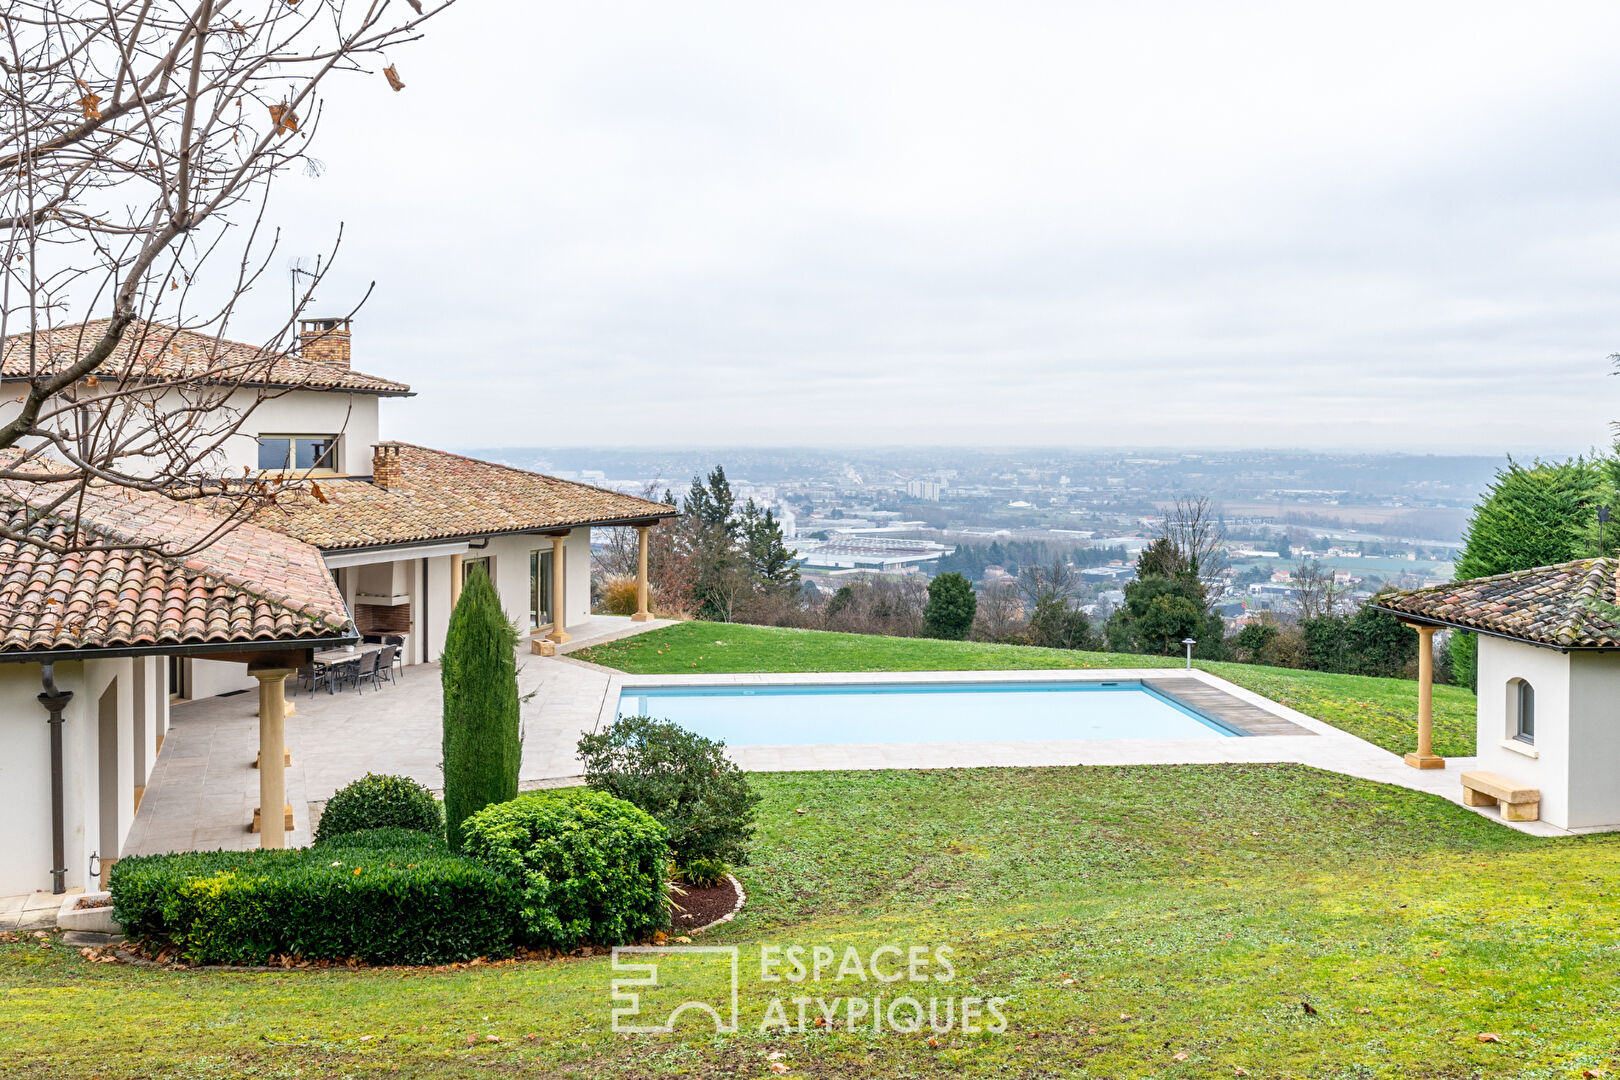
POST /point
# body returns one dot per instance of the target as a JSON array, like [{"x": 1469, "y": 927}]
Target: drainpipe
[{"x": 55, "y": 701}]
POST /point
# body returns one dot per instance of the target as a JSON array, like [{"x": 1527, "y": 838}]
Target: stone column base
[
  {"x": 286, "y": 814},
  {"x": 1425, "y": 761}
]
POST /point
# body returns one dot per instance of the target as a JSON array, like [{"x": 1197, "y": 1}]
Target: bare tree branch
[{"x": 139, "y": 140}]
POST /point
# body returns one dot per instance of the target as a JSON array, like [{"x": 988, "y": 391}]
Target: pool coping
[{"x": 1250, "y": 714}]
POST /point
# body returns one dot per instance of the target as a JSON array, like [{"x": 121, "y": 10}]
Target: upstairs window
[
  {"x": 1521, "y": 711},
  {"x": 298, "y": 453}
]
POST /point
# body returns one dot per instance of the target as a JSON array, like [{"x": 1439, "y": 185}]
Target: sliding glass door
[{"x": 540, "y": 588}]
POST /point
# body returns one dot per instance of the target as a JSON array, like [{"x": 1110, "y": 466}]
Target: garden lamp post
[{"x": 1189, "y": 642}]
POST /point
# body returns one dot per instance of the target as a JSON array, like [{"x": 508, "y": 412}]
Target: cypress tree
[{"x": 482, "y": 746}]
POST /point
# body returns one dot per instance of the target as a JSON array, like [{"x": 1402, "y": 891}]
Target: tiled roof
[
  {"x": 1571, "y": 605},
  {"x": 249, "y": 585},
  {"x": 162, "y": 352},
  {"x": 440, "y": 496}
]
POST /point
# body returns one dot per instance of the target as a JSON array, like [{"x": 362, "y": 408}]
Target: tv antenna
[{"x": 299, "y": 267}]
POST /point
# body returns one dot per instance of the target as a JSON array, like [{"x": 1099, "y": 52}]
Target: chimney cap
[{"x": 319, "y": 323}]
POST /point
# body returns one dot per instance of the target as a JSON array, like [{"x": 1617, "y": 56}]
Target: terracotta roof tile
[
  {"x": 439, "y": 496},
  {"x": 1571, "y": 605},
  {"x": 162, "y": 352},
  {"x": 249, "y": 585}
]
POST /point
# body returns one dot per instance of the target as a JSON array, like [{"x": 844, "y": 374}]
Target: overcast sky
[{"x": 1380, "y": 226}]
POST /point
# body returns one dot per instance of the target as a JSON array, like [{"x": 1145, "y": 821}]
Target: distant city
[{"x": 1375, "y": 520}]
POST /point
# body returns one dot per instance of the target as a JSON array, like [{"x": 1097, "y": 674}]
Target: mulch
[{"x": 700, "y": 907}]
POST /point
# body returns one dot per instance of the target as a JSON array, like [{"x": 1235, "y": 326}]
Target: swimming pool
[{"x": 796, "y": 715}]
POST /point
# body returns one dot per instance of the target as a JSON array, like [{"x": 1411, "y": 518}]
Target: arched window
[{"x": 1521, "y": 709}]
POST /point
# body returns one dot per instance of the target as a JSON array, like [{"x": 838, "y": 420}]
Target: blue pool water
[{"x": 904, "y": 713}]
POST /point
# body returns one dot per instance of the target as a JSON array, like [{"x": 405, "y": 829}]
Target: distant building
[
  {"x": 923, "y": 488},
  {"x": 883, "y": 555}
]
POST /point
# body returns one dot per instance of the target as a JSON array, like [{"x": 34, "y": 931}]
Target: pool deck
[
  {"x": 203, "y": 787},
  {"x": 1278, "y": 734}
]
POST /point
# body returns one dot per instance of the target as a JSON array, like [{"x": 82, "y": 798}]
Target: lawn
[
  {"x": 1382, "y": 711},
  {"x": 1169, "y": 922}
]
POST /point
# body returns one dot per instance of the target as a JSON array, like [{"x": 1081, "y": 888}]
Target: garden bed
[{"x": 699, "y": 909}]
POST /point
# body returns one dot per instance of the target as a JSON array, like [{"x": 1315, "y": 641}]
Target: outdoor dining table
[{"x": 333, "y": 657}]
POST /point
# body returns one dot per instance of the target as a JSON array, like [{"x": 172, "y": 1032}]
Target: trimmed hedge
[
  {"x": 389, "y": 896},
  {"x": 380, "y": 802},
  {"x": 590, "y": 868}
]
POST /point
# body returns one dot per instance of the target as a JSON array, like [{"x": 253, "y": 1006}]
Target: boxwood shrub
[
  {"x": 590, "y": 868},
  {"x": 380, "y": 802},
  {"x": 390, "y": 897}
]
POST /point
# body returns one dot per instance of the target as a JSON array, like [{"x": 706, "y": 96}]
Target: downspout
[{"x": 55, "y": 701}]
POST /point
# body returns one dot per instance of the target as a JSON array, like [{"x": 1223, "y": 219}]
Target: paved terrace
[{"x": 204, "y": 787}]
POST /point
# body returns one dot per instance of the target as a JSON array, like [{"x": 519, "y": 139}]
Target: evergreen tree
[
  {"x": 711, "y": 503},
  {"x": 951, "y": 607},
  {"x": 769, "y": 560},
  {"x": 711, "y": 525},
  {"x": 478, "y": 669},
  {"x": 1532, "y": 516}
]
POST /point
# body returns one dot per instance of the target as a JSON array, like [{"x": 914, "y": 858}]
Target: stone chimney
[
  {"x": 385, "y": 470},
  {"x": 324, "y": 340}
]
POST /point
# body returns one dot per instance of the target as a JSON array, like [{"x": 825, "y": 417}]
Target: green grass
[
  {"x": 1127, "y": 916},
  {"x": 1382, "y": 711}
]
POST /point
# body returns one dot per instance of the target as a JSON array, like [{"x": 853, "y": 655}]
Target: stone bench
[{"x": 1518, "y": 802}]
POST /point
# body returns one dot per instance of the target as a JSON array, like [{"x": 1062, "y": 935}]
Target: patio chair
[
  {"x": 385, "y": 665},
  {"x": 306, "y": 677},
  {"x": 366, "y": 668},
  {"x": 323, "y": 675},
  {"x": 398, "y": 641}
]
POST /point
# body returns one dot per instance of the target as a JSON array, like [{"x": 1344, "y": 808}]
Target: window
[
  {"x": 1521, "y": 710},
  {"x": 539, "y": 588},
  {"x": 304, "y": 453},
  {"x": 480, "y": 563}
]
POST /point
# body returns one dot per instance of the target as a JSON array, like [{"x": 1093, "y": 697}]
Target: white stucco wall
[
  {"x": 296, "y": 412},
  {"x": 210, "y": 678},
  {"x": 509, "y": 559},
  {"x": 1594, "y": 737},
  {"x": 1548, "y": 671},
  {"x": 25, "y": 767}
]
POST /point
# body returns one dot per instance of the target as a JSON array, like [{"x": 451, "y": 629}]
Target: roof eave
[
  {"x": 1431, "y": 620},
  {"x": 534, "y": 530},
  {"x": 189, "y": 649}
]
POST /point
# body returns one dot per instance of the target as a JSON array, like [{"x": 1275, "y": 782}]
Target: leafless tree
[
  {"x": 139, "y": 140},
  {"x": 620, "y": 551},
  {"x": 1000, "y": 614},
  {"x": 1044, "y": 584},
  {"x": 1316, "y": 591},
  {"x": 1195, "y": 533}
]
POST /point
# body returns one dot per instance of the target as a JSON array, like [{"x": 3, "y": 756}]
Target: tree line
[{"x": 729, "y": 563}]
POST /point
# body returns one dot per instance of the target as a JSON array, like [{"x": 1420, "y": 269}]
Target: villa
[{"x": 95, "y": 646}]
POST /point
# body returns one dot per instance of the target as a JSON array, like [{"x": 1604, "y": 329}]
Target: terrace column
[
  {"x": 455, "y": 581},
  {"x": 559, "y": 597},
  {"x": 642, "y": 614},
  {"x": 272, "y": 744},
  {"x": 1425, "y": 758}
]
